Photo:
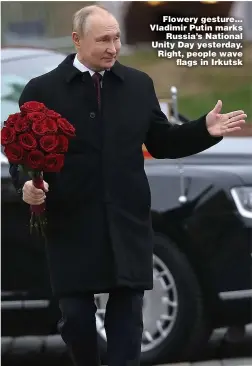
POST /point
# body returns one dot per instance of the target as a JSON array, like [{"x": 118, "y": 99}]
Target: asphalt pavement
[
  {"x": 224, "y": 362},
  {"x": 218, "y": 353},
  {"x": 39, "y": 353}
]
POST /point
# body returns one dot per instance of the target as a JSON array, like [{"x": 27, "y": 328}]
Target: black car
[{"x": 202, "y": 219}]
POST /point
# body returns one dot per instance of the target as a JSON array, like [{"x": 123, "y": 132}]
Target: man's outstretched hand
[{"x": 223, "y": 124}]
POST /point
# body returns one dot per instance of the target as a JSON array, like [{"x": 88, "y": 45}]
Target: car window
[
  {"x": 11, "y": 88},
  {"x": 30, "y": 67},
  {"x": 15, "y": 74}
]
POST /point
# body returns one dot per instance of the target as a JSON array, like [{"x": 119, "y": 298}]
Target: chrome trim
[
  {"x": 24, "y": 304},
  {"x": 235, "y": 295},
  {"x": 242, "y": 211}
]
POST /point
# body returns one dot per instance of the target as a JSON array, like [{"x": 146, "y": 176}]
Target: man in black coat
[{"x": 100, "y": 235}]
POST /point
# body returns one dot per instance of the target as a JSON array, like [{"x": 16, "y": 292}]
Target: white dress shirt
[{"x": 83, "y": 68}]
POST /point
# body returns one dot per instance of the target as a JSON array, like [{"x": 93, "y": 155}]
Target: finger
[
  {"x": 236, "y": 118},
  {"x": 36, "y": 190},
  {"x": 33, "y": 191},
  {"x": 33, "y": 201},
  {"x": 32, "y": 188},
  {"x": 234, "y": 113},
  {"x": 46, "y": 186},
  {"x": 33, "y": 196},
  {"x": 217, "y": 107},
  {"x": 234, "y": 129},
  {"x": 235, "y": 124}
]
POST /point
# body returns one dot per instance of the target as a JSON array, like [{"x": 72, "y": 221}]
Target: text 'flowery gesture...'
[{"x": 219, "y": 124}]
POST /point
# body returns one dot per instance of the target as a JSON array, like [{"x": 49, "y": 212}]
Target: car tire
[{"x": 189, "y": 330}]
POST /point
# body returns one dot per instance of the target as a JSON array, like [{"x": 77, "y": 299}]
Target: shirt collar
[
  {"x": 69, "y": 71},
  {"x": 83, "y": 68}
]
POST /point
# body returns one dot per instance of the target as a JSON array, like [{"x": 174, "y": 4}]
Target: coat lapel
[
  {"x": 113, "y": 94},
  {"x": 82, "y": 102},
  {"x": 94, "y": 126}
]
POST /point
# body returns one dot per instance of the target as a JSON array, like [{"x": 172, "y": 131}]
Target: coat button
[{"x": 92, "y": 114}]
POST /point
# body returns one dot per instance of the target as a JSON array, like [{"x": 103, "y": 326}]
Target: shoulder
[
  {"x": 37, "y": 87},
  {"x": 61, "y": 72},
  {"x": 140, "y": 80},
  {"x": 43, "y": 79},
  {"x": 135, "y": 73}
]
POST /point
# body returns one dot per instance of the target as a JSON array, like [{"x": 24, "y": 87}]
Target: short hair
[{"x": 80, "y": 18}]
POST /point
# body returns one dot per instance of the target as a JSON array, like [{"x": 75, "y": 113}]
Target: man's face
[{"x": 100, "y": 44}]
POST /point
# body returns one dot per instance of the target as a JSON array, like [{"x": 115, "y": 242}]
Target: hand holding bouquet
[{"x": 36, "y": 139}]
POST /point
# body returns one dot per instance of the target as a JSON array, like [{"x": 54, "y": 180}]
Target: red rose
[
  {"x": 66, "y": 127},
  {"x": 27, "y": 141},
  {"x": 36, "y": 117},
  {"x": 32, "y": 106},
  {"x": 51, "y": 126},
  {"x": 35, "y": 160},
  {"x": 21, "y": 125},
  {"x": 8, "y": 135},
  {"x": 49, "y": 142},
  {"x": 39, "y": 128},
  {"x": 52, "y": 114},
  {"x": 62, "y": 144},
  {"x": 11, "y": 120},
  {"x": 53, "y": 163},
  {"x": 14, "y": 153}
]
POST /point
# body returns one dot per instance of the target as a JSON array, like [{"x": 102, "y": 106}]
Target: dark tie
[{"x": 97, "y": 82}]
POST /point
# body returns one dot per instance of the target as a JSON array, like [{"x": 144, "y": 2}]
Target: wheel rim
[{"x": 159, "y": 310}]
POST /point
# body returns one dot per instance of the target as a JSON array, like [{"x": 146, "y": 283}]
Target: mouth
[{"x": 109, "y": 59}]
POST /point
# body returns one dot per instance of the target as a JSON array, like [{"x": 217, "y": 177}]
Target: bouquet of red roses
[{"x": 36, "y": 138}]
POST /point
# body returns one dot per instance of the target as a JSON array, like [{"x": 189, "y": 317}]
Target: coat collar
[
  {"x": 118, "y": 70},
  {"x": 70, "y": 71}
]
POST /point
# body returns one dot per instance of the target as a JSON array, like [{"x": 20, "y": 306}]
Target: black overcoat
[{"x": 98, "y": 207}]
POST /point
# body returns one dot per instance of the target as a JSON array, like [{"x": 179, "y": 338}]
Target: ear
[{"x": 76, "y": 39}]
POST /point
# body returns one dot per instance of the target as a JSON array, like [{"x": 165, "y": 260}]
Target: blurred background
[
  {"x": 211, "y": 226},
  {"x": 48, "y": 25}
]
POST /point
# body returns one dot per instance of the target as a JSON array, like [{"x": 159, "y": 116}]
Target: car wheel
[{"x": 175, "y": 322}]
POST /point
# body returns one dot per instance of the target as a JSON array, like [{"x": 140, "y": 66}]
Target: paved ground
[
  {"x": 237, "y": 353},
  {"x": 224, "y": 362}
]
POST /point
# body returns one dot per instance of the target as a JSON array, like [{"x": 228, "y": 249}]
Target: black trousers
[{"x": 123, "y": 326}]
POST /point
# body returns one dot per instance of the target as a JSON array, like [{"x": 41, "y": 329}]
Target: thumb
[
  {"x": 46, "y": 186},
  {"x": 218, "y": 106}
]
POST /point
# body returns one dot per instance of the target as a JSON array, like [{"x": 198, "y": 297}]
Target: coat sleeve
[
  {"x": 18, "y": 178},
  {"x": 165, "y": 140}
]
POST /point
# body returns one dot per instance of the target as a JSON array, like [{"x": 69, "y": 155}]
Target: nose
[{"x": 112, "y": 49}]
